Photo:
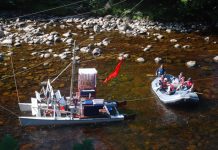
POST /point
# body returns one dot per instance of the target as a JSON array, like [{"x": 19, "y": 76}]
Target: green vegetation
[
  {"x": 164, "y": 10},
  {"x": 8, "y": 143}
]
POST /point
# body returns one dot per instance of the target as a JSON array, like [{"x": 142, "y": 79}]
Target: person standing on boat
[{"x": 160, "y": 71}]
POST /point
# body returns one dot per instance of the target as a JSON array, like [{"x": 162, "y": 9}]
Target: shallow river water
[{"x": 156, "y": 126}]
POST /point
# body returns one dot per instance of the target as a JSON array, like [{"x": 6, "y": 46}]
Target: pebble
[
  {"x": 177, "y": 45},
  {"x": 157, "y": 60}
]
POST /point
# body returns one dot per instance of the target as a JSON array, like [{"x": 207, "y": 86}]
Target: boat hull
[
  {"x": 39, "y": 121},
  {"x": 180, "y": 96}
]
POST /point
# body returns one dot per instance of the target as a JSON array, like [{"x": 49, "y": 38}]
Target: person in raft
[
  {"x": 160, "y": 71},
  {"x": 189, "y": 85},
  {"x": 170, "y": 88}
]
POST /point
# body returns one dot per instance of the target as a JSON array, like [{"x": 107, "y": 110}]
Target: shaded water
[{"x": 156, "y": 126}]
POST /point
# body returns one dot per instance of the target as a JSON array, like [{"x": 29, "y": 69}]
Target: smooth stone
[
  {"x": 7, "y": 42},
  {"x": 173, "y": 40},
  {"x": 158, "y": 60},
  {"x": 147, "y": 48},
  {"x": 160, "y": 37},
  {"x": 207, "y": 38},
  {"x": 177, "y": 45},
  {"x": 215, "y": 59},
  {"x": 140, "y": 60},
  {"x": 46, "y": 55},
  {"x": 190, "y": 64},
  {"x": 96, "y": 52},
  {"x": 96, "y": 28},
  {"x": 168, "y": 30},
  {"x": 186, "y": 46}
]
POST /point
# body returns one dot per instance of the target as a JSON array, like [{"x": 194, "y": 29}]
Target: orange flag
[{"x": 115, "y": 72}]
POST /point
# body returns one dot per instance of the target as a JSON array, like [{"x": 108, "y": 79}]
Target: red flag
[{"x": 115, "y": 72}]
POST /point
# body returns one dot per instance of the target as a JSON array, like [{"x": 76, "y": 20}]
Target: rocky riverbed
[{"x": 42, "y": 48}]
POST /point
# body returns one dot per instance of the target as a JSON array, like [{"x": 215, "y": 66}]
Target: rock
[
  {"x": 177, "y": 45},
  {"x": 96, "y": 52},
  {"x": 1, "y": 57},
  {"x": 50, "y": 38},
  {"x": 69, "y": 20},
  {"x": 7, "y": 42},
  {"x": 157, "y": 60},
  {"x": 36, "y": 41},
  {"x": 173, "y": 40},
  {"x": 147, "y": 48},
  {"x": 160, "y": 37},
  {"x": 140, "y": 60},
  {"x": 46, "y": 55},
  {"x": 186, "y": 46},
  {"x": 96, "y": 28},
  {"x": 168, "y": 30},
  {"x": 17, "y": 44},
  {"x": 33, "y": 53},
  {"x": 85, "y": 49},
  {"x": 2, "y": 34},
  {"x": 69, "y": 41},
  {"x": 68, "y": 34},
  {"x": 207, "y": 39},
  {"x": 105, "y": 42},
  {"x": 215, "y": 59},
  {"x": 190, "y": 64},
  {"x": 50, "y": 50}
]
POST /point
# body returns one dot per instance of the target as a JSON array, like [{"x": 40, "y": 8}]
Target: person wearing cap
[{"x": 160, "y": 71}]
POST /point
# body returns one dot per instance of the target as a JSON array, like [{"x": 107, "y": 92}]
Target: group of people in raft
[{"x": 176, "y": 84}]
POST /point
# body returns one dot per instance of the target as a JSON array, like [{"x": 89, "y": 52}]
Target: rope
[
  {"x": 26, "y": 69},
  {"x": 139, "y": 99},
  {"x": 133, "y": 7},
  {"x": 9, "y": 111},
  {"x": 15, "y": 81},
  {"x": 66, "y": 5},
  {"x": 62, "y": 72}
]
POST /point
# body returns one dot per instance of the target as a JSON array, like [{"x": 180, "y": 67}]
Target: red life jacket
[
  {"x": 189, "y": 84},
  {"x": 172, "y": 88}
]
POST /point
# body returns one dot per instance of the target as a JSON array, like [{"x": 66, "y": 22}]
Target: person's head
[
  {"x": 181, "y": 74},
  {"x": 161, "y": 66},
  {"x": 165, "y": 79}
]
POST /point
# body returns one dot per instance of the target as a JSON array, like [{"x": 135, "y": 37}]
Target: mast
[{"x": 72, "y": 73}]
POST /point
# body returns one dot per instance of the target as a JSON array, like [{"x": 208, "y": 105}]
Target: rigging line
[
  {"x": 133, "y": 7},
  {"x": 9, "y": 111},
  {"x": 15, "y": 81},
  {"x": 62, "y": 6},
  {"x": 139, "y": 99},
  {"x": 10, "y": 76},
  {"x": 62, "y": 72}
]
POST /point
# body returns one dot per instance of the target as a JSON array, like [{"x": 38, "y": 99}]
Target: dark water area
[{"x": 156, "y": 125}]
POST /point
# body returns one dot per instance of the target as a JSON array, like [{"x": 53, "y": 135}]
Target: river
[{"x": 156, "y": 125}]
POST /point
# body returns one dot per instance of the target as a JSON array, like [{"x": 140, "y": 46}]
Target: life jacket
[
  {"x": 182, "y": 81},
  {"x": 172, "y": 88},
  {"x": 189, "y": 84},
  {"x": 164, "y": 84}
]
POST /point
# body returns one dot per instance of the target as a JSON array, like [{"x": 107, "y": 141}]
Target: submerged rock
[
  {"x": 215, "y": 59},
  {"x": 191, "y": 64},
  {"x": 140, "y": 60},
  {"x": 158, "y": 60},
  {"x": 96, "y": 52}
]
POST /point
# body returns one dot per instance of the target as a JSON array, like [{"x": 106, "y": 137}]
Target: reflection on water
[{"x": 156, "y": 126}]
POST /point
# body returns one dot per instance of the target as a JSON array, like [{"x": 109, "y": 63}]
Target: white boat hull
[
  {"x": 179, "y": 96},
  {"x": 38, "y": 121}
]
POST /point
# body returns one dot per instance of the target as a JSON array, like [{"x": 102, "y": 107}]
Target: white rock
[
  {"x": 46, "y": 55},
  {"x": 96, "y": 52},
  {"x": 33, "y": 53},
  {"x": 207, "y": 38},
  {"x": 7, "y": 42},
  {"x": 147, "y": 48},
  {"x": 157, "y": 60},
  {"x": 215, "y": 59},
  {"x": 96, "y": 28},
  {"x": 55, "y": 55},
  {"x": 17, "y": 44},
  {"x": 160, "y": 37},
  {"x": 190, "y": 64},
  {"x": 79, "y": 26},
  {"x": 36, "y": 41},
  {"x": 85, "y": 49},
  {"x": 62, "y": 26},
  {"x": 105, "y": 42},
  {"x": 177, "y": 45},
  {"x": 50, "y": 38},
  {"x": 50, "y": 50},
  {"x": 186, "y": 46},
  {"x": 69, "y": 41},
  {"x": 68, "y": 34},
  {"x": 173, "y": 40},
  {"x": 69, "y": 20},
  {"x": 168, "y": 30},
  {"x": 140, "y": 60}
]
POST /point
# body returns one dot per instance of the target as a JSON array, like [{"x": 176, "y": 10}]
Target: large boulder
[
  {"x": 7, "y": 42},
  {"x": 191, "y": 64}
]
